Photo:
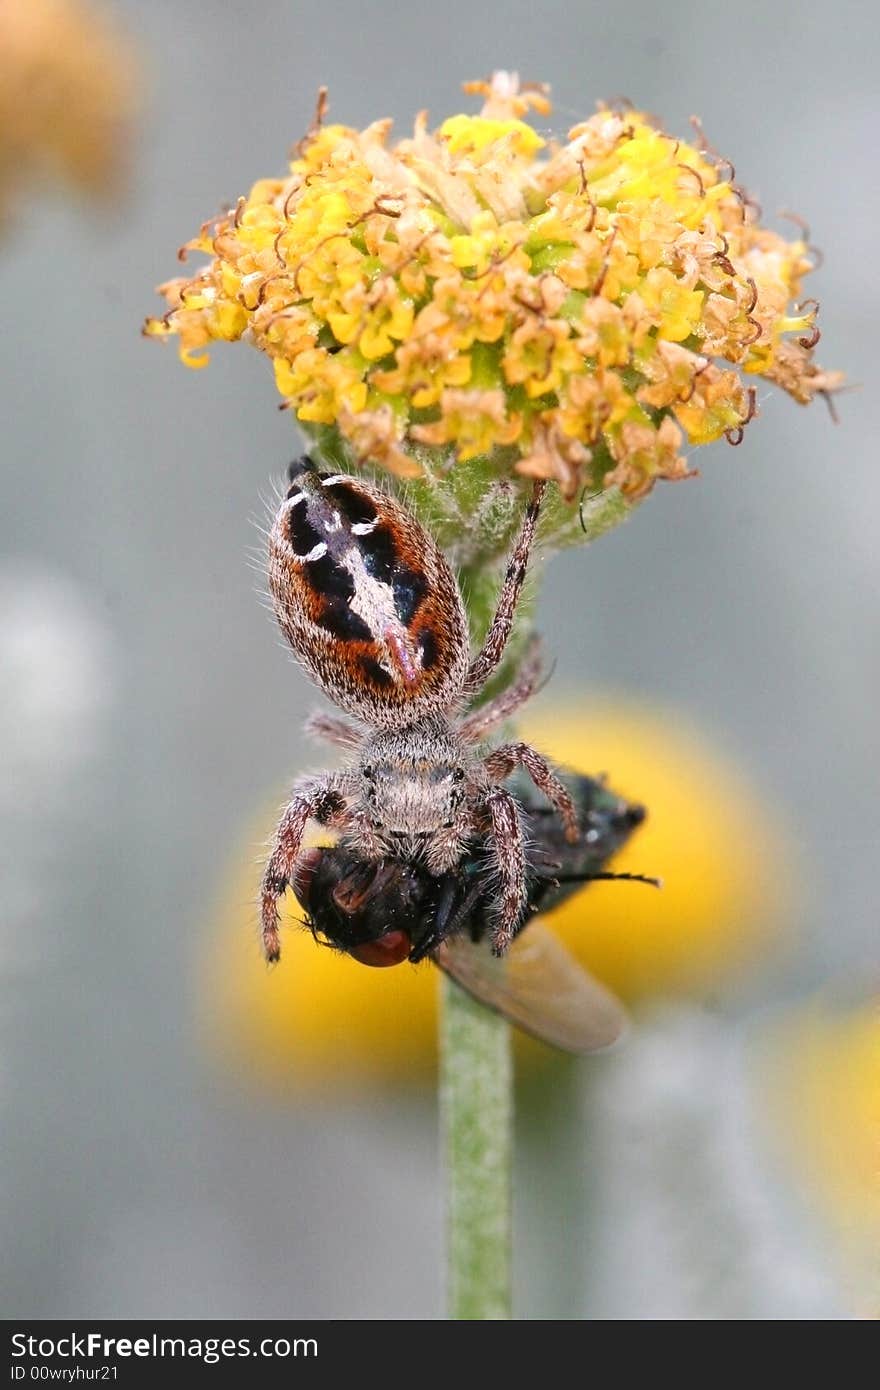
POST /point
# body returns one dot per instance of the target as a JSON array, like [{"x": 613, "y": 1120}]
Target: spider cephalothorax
[{"x": 371, "y": 608}]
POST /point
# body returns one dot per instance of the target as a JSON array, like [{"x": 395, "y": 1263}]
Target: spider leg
[
  {"x": 332, "y": 729},
  {"x": 507, "y": 848},
  {"x": 502, "y": 761},
  {"x": 321, "y": 799},
  {"x": 486, "y": 661},
  {"x": 483, "y": 720}
]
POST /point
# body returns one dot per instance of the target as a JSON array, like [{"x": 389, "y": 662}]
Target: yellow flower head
[
  {"x": 68, "y": 85},
  {"x": 588, "y": 307}
]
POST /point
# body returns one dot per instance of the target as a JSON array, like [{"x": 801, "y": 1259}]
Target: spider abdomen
[{"x": 366, "y": 599}]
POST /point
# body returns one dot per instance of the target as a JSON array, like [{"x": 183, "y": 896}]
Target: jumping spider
[{"x": 370, "y": 606}]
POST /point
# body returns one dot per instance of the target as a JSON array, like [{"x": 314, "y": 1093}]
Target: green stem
[{"x": 476, "y": 1094}]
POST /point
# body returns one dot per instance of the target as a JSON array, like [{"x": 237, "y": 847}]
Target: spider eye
[
  {"x": 458, "y": 775},
  {"x": 368, "y": 771}
]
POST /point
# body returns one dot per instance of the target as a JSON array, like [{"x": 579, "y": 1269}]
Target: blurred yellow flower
[
  {"x": 728, "y": 878},
  {"x": 459, "y": 287},
  {"x": 68, "y": 92},
  {"x": 324, "y": 1023},
  {"x": 820, "y": 1070}
]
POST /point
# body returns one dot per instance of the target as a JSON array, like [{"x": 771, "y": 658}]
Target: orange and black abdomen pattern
[{"x": 366, "y": 599}]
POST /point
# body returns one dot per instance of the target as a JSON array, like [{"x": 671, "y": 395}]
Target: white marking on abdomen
[
  {"x": 373, "y": 602},
  {"x": 363, "y": 528},
  {"x": 296, "y": 499},
  {"x": 317, "y": 552}
]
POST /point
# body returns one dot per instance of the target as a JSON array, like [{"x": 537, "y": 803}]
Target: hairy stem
[
  {"x": 476, "y": 1068},
  {"x": 476, "y": 1097},
  {"x": 476, "y": 1081}
]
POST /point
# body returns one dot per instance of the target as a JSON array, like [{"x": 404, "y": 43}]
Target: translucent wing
[{"x": 539, "y": 986}]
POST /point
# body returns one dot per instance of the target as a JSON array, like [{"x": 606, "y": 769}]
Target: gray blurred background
[{"x": 147, "y": 709}]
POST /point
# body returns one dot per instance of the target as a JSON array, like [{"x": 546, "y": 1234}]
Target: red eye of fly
[{"x": 390, "y": 949}]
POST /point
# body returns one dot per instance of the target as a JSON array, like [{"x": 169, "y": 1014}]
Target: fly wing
[{"x": 538, "y": 985}]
